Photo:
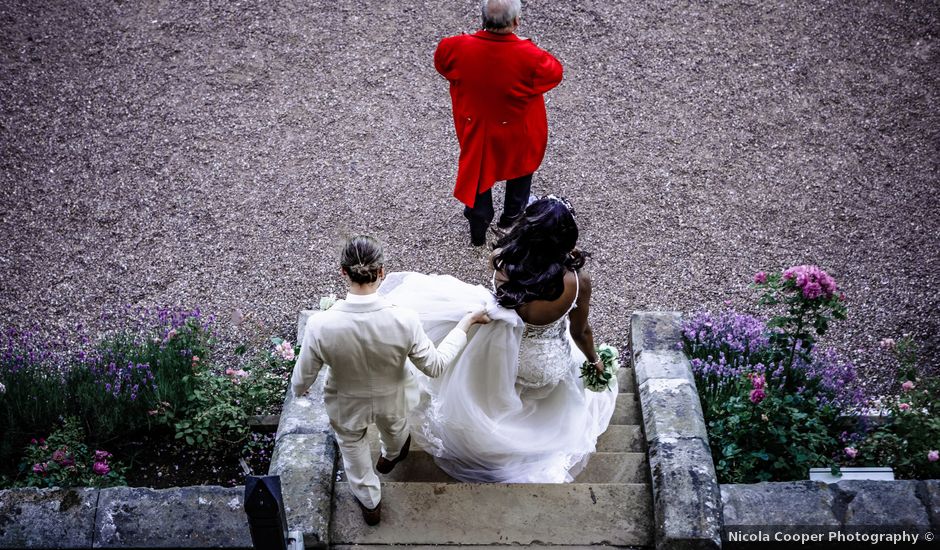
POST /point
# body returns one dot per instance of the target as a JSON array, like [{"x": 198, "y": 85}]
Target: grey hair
[
  {"x": 499, "y": 14},
  {"x": 362, "y": 258}
]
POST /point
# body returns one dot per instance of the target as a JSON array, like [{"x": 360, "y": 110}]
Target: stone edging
[
  {"x": 305, "y": 458},
  {"x": 124, "y": 517},
  {"x": 812, "y": 507},
  {"x": 686, "y": 497}
]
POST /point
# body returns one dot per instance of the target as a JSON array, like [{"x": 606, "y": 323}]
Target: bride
[{"x": 512, "y": 407}]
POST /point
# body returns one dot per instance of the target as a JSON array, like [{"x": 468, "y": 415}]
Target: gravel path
[{"x": 216, "y": 154}]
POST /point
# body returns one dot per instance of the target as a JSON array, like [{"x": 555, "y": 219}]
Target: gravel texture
[{"x": 217, "y": 153}]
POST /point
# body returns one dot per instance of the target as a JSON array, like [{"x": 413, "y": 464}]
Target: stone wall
[
  {"x": 124, "y": 517},
  {"x": 847, "y": 507}
]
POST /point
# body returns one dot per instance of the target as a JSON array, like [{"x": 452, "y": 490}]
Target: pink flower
[
  {"x": 851, "y": 452},
  {"x": 887, "y": 343},
  {"x": 812, "y": 281},
  {"x": 758, "y": 382},
  {"x": 933, "y": 456},
  {"x": 33, "y": 441},
  {"x": 757, "y": 395},
  {"x": 195, "y": 359},
  {"x": 102, "y": 455},
  {"x": 904, "y": 406},
  {"x": 101, "y": 468},
  {"x": 39, "y": 468},
  {"x": 170, "y": 335},
  {"x": 59, "y": 455},
  {"x": 760, "y": 277},
  {"x": 907, "y": 385}
]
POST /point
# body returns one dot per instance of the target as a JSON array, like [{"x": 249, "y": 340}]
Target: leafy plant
[
  {"x": 64, "y": 460},
  {"x": 770, "y": 397},
  {"x": 908, "y": 439}
]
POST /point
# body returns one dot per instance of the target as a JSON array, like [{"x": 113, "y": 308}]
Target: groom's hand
[{"x": 472, "y": 318}]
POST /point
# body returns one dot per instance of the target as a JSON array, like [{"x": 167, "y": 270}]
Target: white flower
[
  {"x": 3, "y": 388},
  {"x": 326, "y": 302}
]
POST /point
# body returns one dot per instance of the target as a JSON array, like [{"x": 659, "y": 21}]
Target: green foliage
[
  {"x": 779, "y": 438},
  {"x": 64, "y": 460},
  {"x": 911, "y": 430}
]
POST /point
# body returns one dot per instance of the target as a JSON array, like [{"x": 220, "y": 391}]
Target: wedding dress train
[{"x": 512, "y": 407}]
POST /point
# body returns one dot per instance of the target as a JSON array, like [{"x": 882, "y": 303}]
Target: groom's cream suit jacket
[{"x": 365, "y": 341}]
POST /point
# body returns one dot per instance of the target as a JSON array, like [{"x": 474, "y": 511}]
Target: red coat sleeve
[
  {"x": 444, "y": 59},
  {"x": 548, "y": 73}
]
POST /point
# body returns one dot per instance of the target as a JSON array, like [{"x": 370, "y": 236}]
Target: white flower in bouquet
[
  {"x": 326, "y": 302},
  {"x": 599, "y": 382}
]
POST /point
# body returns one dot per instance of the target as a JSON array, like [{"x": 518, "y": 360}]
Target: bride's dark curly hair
[{"x": 537, "y": 253}]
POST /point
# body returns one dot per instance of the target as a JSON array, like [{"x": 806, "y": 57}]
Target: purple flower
[
  {"x": 60, "y": 455},
  {"x": 101, "y": 468},
  {"x": 39, "y": 468},
  {"x": 851, "y": 452},
  {"x": 760, "y": 277},
  {"x": 933, "y": 456},
  {"x": 102, "y": 455},
  {"x": 907, "y": 386}
]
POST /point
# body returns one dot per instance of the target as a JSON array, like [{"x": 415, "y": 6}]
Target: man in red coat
[{"x": 496, "y": 84}]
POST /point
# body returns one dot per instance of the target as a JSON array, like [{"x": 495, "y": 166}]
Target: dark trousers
[{"x": 480, "y": 216}]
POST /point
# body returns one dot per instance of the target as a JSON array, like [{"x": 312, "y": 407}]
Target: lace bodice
[{"x": 545, "y": 350}]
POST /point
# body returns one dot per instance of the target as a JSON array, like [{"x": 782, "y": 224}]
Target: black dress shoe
[
  {"x": 372, "y": 516},
  {"x": 385, "y": 465}
]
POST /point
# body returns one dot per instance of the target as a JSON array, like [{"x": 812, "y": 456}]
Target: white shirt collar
[{"x": 362, "y": 298}]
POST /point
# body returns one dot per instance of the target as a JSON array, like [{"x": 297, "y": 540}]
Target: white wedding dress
[{"x": 512, "y": 407}]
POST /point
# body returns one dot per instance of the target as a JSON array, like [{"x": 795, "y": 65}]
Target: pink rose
[
  {"x": 933, "y": 456},
  {"x": 851, "y": 452},
  {"x": 757, "y": 395},
  {"x": 195, "y": 358},
  {"x": 102, "y": 456},
  {"x": 760, "y": 277},
  {"x": 101, "y": 468},
  {"x": 39, "y": 468},
  {"x": 59, "y": 455},
  {"x": 907, "y": 386},
  {"x": 904, "y": 407}
]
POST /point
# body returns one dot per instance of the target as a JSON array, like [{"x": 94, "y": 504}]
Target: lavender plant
[
  {"x": 770, "y": 396},
  {"x": 33, "y": 395}
]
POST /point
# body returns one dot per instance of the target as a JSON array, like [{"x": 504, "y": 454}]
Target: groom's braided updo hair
[{"x": 362, "y": 258}]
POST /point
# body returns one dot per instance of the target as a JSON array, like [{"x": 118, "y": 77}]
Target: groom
[
  {"x": 496, "y": 84},
  {"x": 366, "y": 340}
]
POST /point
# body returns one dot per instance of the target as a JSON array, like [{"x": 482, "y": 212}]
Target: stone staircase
[{"x": 608, "y": 505}]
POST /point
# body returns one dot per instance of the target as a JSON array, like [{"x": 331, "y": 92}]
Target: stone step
[
  {"x": 603, "y": 467},
  {"x": 621, "y": 439},
  {"x": 567, "y": 514},
  {"x": 615, "y": 468},
  {"x": 463, "y": 546},
  {"x": 627, "y": 410},
  {"x": 626, "y": 380}
]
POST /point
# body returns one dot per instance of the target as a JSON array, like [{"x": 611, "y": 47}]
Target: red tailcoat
[{"x": 496, "y": 87}]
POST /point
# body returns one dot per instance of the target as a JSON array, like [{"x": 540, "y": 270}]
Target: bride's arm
[{"x": 580, "y": 328}]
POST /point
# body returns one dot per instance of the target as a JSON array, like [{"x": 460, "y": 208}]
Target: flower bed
[
  {"x": 146, "y": 402},
  {"x": 775, "y": 403}
]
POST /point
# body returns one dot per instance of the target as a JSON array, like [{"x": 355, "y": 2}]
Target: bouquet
[
  {"x": 598, "y": 382},
  {"x": 326, "y": 302}
]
